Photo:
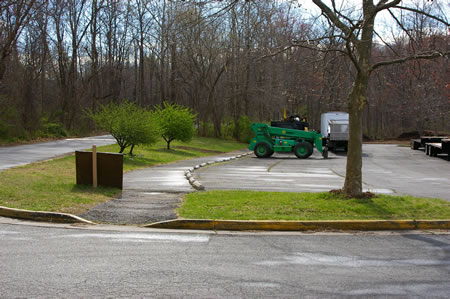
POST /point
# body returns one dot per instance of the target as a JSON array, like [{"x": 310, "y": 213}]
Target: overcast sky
[
  {"x": 309, "y": 5},
  {"x": 384, "y": 21}
]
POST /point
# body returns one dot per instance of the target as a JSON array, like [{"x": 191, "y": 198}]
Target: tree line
[{"x": 228, "y": 61}]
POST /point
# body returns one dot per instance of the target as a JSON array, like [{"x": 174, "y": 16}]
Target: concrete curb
[
  {"x": 342, "y": 225},
  {"x": 197, "y": 185},
  {"x": 42, "y": 216}
]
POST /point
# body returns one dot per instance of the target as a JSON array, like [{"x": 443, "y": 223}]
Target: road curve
[{"x": 13, "y": 156}]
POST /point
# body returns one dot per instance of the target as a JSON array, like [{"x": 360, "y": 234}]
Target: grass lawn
[
  {"x": 145, "y": 156},
  {"x": 253, "y": 205},
  {"x": 50, "y": 185}
]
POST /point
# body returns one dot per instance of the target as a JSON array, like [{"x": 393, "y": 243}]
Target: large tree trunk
[{"x": 356, "y": 103}]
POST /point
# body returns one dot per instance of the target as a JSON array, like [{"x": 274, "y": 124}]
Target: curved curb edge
[
  {"x": 196, "y": 184},
  {"x": 42, "y": 216},
  {"x": 342, "y": 225}
]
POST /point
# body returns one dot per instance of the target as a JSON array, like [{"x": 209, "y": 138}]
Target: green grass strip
[
  {"x": 253, "y": 205},
  {"x": 50, "y": 185}
]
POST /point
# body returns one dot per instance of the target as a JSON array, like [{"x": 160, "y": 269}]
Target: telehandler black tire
[
  {"x": 303, "y": 150},
  {"x": 262, "y": 150}
]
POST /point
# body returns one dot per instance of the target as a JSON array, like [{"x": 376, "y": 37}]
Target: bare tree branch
[
  {"x": 423, "y": 13},
  {"x": 399, "y": 23},
  {"x": 386, "y": 44},
  {"x": 383, "y": 4},
  {"x": 429, "y": 55},
  {"x": 334, "y": 18},
  {"x": 279, "y": 51},
  {"x": 338, "y": 12}
]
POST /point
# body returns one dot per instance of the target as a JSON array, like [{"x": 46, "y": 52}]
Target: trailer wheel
[
  {"x": 262, "y": 150},
  {"x": 303, "y": 150}
]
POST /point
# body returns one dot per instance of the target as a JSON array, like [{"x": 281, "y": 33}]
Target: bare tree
[
  {"x": 94, "y": 54},
  {"x": 14, "y": 16},
  {"x": 223, "y": 59},
  {"x": 358, "y": 31}
]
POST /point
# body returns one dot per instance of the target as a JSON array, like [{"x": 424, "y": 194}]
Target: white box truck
[{"x": 334, "y": 129}]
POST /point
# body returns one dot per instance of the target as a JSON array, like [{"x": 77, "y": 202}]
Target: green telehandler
[{"x": 283, "y": 140}]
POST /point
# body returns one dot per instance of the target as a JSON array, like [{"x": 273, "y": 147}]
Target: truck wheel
[
  {"x": 262, "y": 150},
  {"x": 303, "y": 150}
]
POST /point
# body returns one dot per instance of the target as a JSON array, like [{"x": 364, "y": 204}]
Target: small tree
[
  {"x": 176, "y": 122},
  {"x": 127, "y": 123}
]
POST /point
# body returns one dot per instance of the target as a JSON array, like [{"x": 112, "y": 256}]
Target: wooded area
[{"x": 223, "y": 59}]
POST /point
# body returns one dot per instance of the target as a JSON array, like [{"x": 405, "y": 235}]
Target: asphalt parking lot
[{"x": 387, "y": 169}]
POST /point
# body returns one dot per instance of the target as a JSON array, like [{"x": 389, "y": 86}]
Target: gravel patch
[{"x": 136, "y": 208}]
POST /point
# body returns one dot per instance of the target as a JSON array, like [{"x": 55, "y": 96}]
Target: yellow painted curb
[
  {"x": 41, "y": 216},
  {"x": 349, "y": 225}
]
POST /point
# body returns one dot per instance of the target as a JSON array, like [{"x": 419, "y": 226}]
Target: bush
[
  {"x": 127, "y": 123},
  {"x": 50, "y": 129},
  {"x": 245, "y": 131},
  {"x": 206, "y": 129},
  {"x": 176, "y": 122},
  {"x": 228, "y": 128},
  {"x": 56, "y": 129},
  {"x": 11, "y": 129},
  {"x": 4, "y": 129}
]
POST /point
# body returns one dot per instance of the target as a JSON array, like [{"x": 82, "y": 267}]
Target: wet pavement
[
  {"x": 387, "y": 169},
  {"x": 281, "y": 172},
  {"x": 151, "y": 194}
]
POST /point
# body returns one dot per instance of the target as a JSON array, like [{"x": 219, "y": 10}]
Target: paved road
[
  {"x": 71, "y": 262},
  {"x": 386, "y": 169},
  {"x": 52, "y": 262},
  {"x": 12, "y": 156}
]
